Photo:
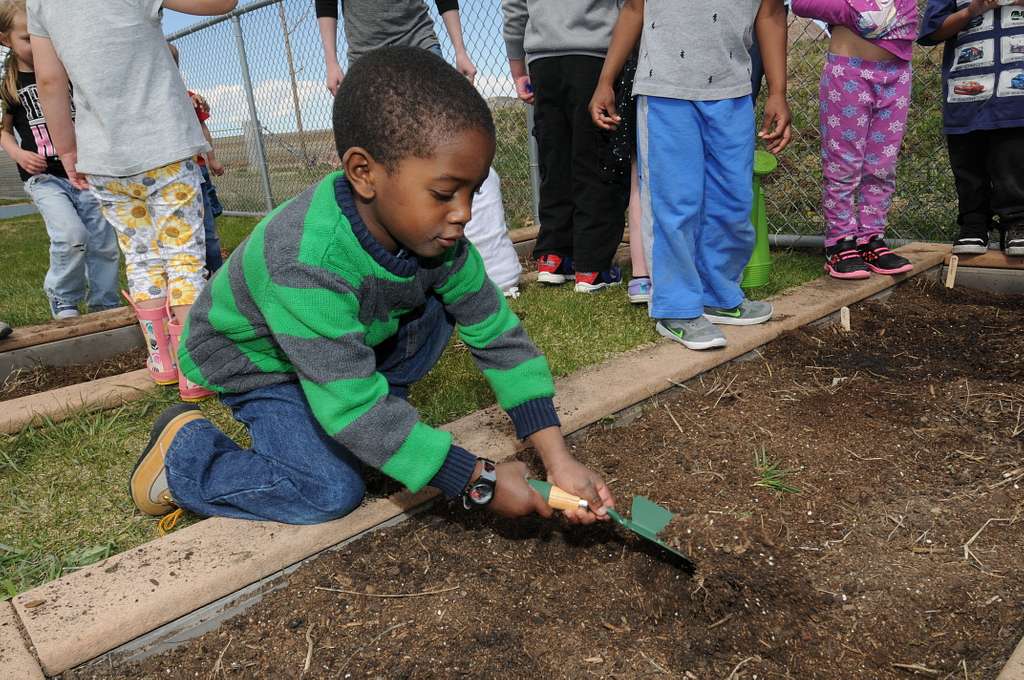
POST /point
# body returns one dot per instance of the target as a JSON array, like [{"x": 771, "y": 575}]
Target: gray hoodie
[{"x": 534, "y": 29}]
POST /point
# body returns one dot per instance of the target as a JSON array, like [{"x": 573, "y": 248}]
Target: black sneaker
[
  {"x": 844, "y": 261},
  {"x": 1014, "y": 240},
  {"x": 972, "y": 240},
  {"x": 881, "y": 260}
]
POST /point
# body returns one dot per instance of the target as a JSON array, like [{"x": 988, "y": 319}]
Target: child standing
[
  {"x": 983, "y": 115},
  {"x": 695, "y": 126},
  {"x": 83, "y": 248},
  {"x": 133, "y": 142},
  {"x": 864, "y": 98},
  {"x": 342, "y": 299},
  {"x": 555, "y": 50}
]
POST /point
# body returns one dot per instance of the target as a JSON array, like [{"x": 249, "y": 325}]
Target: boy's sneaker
[
  {"x": 748, "y": 313},
  {"x": 972, "y": 240},
  {"x": 148, "y": 483},
  {"x": 881, "y": 260},
  {"x": 588, "y": 282},
  {"x": 844, "y": 261},
  {"x": 1015, "y": 240},
  {"x": 696, "y": 333},
  {"x": 640, "y": 290},
  {"x": 554, "y": 269}
]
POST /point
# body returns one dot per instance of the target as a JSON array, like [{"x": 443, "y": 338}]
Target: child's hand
[
  {"x": 524, "y": 89},
  {"x": 334, "y": 77},
  {"x": 602, "y": 108},
  {"x": 32, "y": 162},
  {"x": 69, "y": 160},
  {"x": 576, "y": 478},
  {"x": 465, "y": 66},
  {"x": 513, "y": 497},
  {"x": 978, "y": 7},
  {"x": 216, "y": 167},
  {"x": 776, "y": 131}
]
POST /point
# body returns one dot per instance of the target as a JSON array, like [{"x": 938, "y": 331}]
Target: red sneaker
[{"x": 554, "y": 269}]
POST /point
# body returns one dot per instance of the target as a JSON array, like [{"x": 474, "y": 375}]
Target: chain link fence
[{"x": 261, "y": 69}]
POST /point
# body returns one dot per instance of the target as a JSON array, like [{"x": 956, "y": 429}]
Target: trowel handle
[{"x": 557, "y": 498}]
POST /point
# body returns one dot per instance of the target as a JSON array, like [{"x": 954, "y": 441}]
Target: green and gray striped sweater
[{"x": 310, "y": 293}]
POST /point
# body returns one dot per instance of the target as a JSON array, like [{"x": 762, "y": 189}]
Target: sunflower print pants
[{"x": 158, "y": 217}]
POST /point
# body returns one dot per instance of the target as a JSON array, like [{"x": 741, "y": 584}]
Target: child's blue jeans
[
  {"x": 83, "y": 246},
  {"x": 293, "y": 472},
  {"x": 211, "y": 208},
  {"x": 696, "y": 165}
]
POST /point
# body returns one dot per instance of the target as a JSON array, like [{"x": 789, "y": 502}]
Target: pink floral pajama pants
[{"x": 863, "y": 117}]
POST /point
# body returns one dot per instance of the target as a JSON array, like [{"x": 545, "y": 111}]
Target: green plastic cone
[{"x": 759, "y": 268}]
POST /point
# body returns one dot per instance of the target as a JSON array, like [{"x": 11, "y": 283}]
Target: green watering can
[
  {"x": 759, "y": 268},
  {"x": 647, "y": 519}
]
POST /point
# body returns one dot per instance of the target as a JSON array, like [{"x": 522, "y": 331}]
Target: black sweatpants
[
  {"x": 583, "y": 194},
  {"x": 988, "y": 166}
]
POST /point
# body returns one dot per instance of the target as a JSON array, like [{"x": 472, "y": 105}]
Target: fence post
[
  {"x": 261, "y": 151},
  {"x": 534, "y": 166}
]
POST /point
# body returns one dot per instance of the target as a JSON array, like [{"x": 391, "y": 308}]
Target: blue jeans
[
  {"x": 211, "y": 208},
  {"x": 294, "y": 472},
  {"x": 696, "y": 165},
  {"x": 83, "y": 246}
]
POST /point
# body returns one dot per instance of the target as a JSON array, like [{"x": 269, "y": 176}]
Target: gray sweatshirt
[{"x": 535, "y": 29}]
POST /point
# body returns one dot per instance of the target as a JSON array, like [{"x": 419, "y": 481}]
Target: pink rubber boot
[
  {"x": 188, "y": 390},
  {"x": 161, "y": 362}
]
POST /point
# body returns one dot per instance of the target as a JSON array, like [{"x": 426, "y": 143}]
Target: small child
[
  {"x": 695, "y": 132},
  {"x": 83, "y": 247},
  {"x": 555, "y": 50},
  {"x": 864, "y": 98},
  {"x": 983, "y": 115},
  {"x": 133, "y": 142},
  {"x": 342, "y": 299},
  {"x": 207, "y": 163}
]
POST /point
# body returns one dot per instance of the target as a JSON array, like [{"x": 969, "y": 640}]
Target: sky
[{"x": 209, "y": 63}]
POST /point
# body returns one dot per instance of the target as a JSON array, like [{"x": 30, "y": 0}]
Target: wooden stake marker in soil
[
  {"x": 951, "y": 273},
  {"x": 100, "y": 607},
  {"x": 844, "y": 318}
]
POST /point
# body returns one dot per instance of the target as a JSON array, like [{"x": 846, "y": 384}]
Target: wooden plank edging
[
  {"x": 100, "y": 607},
  {"x": 16, "y": 660}
]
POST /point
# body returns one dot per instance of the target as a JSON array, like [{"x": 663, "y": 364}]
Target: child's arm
[
  {"x": 449, "y": 11},
  {"x": 55, "y": 98},
  {"x": 211, "y": 156},
  {"x": 515, "y": 14},
  {"x": 957, "y": 21},
  {"x": 33, "y": 163},
  {"x": 625, "y": 35},
  {"x": 201, "y": 8},
  {"x": 327, "y": 22},
  {"x": 771, "y": 28}
]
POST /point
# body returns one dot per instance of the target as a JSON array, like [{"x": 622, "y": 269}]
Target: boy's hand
[
  {"x": 602, "y": 108},
  {"x": 465, "y": 65},
  {"x": 334, "y": 77},
  {"x": 69, "y": 160},
  {"x": 978, "y": 7},
  {"x": 576, "y": 478},
  {"x": 524, "y": 89},
  {"x": 216, "y": 167},
  {"x": 32, "y": 162},
  {"x": 777, "y": 129},
  {"x": 513, "y": 497}
]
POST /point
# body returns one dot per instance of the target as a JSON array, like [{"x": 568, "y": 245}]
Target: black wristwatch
[{"x": 480, "y": 492}]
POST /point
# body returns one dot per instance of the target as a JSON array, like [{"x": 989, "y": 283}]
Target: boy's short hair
[{"x": 399, "y": 102}]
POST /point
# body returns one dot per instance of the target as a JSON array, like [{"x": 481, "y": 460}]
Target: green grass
[
  {"x": 26, "y": 258},
  {"x": 63, "y": 486},
  {"x": 771, "y": 476},
  {"x": 13, "y": 201}
]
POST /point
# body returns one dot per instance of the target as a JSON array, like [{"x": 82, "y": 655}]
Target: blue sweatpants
[{"x": 696, "y": 167}]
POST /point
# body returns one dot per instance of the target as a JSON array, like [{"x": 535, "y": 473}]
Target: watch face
[{"x": 481, "y": 494}]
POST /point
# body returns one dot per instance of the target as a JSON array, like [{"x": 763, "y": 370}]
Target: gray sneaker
[
  {"x": 1015, "y": 240},
  {"x": 749, "y": 312},
  {"x": 696, "y": 333}
]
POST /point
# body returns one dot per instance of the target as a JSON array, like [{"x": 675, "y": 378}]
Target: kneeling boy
[{"x": 316, "y": 327}]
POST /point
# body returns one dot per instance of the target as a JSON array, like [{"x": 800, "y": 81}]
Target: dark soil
[
  {"x": 25, "y": 381},
  {"x": 826, "y": 491}
]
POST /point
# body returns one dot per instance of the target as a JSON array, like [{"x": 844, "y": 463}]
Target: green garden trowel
[{"x": 647, "y": 519}]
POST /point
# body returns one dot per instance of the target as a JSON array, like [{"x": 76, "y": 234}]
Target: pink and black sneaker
[
  {"x": 844, "y": 261},
  {"x": 554, "y": 269},
  {"x": 881, "y": 260}
]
